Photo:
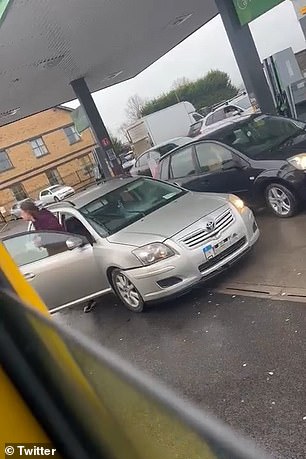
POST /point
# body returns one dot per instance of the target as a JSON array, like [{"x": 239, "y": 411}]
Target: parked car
[
  {"x": 127, "y": 160},
  {"x": 142, "y": 238},
  {"x": 15, "y": 209},
  {"x": 56, "y": 193},
  {"x": 236, "y": 107},
  {"x": 143, "y": 164},
  {"x": 260, "y": 158}
]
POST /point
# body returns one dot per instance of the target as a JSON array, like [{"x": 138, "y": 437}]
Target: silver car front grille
[{"x": 200, "y": 236}]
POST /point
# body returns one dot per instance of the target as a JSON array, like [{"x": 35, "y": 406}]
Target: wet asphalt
[{"x": 241, "y": 358}]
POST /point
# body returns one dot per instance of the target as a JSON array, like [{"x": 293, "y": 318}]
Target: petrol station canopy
[{"x": 46, "y": 44}]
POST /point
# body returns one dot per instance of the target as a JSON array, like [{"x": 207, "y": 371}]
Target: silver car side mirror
[{"x": 74, "y": 243}]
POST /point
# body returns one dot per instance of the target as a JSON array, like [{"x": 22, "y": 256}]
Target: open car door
[{"x": 60, "y": 266}]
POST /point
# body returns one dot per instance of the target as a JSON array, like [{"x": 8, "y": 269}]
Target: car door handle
[{"x": 29, "y": 276}]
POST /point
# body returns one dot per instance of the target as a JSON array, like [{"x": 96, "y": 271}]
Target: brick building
[{"x": 42, "y": 150}]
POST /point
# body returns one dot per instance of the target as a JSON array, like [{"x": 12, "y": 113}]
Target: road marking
[
  {"x": 271, "y": 292},
  {"x": 3, "y": 227}
]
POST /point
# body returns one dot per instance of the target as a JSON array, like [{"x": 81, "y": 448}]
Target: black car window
[
  {"x": 257, "y": 136},
  {"x": 166, "y": 148},
  {"x": 244, "y": 103},
  {"x": 197, "y": 116},
  {"x": 213, "y": 157},
  {"x": 182, "y": 163},
  {"x": 164, "y": 168}
]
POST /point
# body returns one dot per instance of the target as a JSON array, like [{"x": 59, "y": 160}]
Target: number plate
[
  {"x": 222, "y": 245},
  {"x": 209, "y": 252}
]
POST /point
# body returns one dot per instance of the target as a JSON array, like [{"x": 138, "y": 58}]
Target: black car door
[{"x": 221, "y": 170}]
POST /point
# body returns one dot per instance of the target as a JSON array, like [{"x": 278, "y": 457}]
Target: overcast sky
[{"x": 206, "y": 49}]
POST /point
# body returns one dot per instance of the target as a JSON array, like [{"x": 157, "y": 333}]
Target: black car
[{"x": 261, "y": 158}]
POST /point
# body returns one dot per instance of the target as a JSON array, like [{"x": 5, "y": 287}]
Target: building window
[
  {"x": 19, "y": 192},
  {"x": 86, "y": 165},
  {"x": 5, "y": 163},
  {"x": 39, "y": 148},
  {"x": 54, "y": 177},
  {"x": 72, "y": 135}
]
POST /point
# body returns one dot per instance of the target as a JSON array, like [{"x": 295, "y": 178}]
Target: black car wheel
[
  {"x": 281, "y": 201},
  {"x": 126, "y": 291}
]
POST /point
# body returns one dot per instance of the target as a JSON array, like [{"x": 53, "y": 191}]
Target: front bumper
[{"x": 181, "y": 272}]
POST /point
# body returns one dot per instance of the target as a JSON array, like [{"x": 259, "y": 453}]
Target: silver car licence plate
[{"x": 210, "y": 250}]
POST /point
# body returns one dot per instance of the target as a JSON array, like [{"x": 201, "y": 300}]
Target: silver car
[{"x": 143, "y": 239}]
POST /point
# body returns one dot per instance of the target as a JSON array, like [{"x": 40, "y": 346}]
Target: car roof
[
  {"x": 51, "y": 187},
  {"x": 94, "y": 192},
  {"x": 55, "y": 186},
  {"x": 162, "y": 144}
]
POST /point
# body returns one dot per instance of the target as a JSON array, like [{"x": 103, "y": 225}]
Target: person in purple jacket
[{"x": 42, "y": 219}]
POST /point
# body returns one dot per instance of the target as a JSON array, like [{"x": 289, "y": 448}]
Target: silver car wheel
[
  {"x": 279, "y": 201},
  {"x": 127, "y": 291}
]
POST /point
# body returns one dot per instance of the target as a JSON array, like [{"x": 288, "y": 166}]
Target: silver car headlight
[
  {"x": 237, "y": 202},
  {"x": 152, "y": 253},
  {"x": 298, "y": 161}
]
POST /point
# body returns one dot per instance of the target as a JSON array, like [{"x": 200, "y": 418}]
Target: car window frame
[
  {"x": 170, "y": 173},
  {"x": 75, "y": 213},
  {"x": 82, "y": 220},
  {"x": 238, "y": 158},
  {"x": 25, "y": 233},
  {"x": 163, "y": 160},
  {"x": 208, "y": 118},
  {"x": 45, "y": 193}
]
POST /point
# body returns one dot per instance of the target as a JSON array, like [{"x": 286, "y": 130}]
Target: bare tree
[
  {"x": 123, "y": 131},
  {"x": 180, "y": 82},
  {"x": 134, "y": 108}
]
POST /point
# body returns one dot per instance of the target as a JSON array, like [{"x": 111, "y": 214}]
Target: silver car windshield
[{"x": 128, "y": 204}]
